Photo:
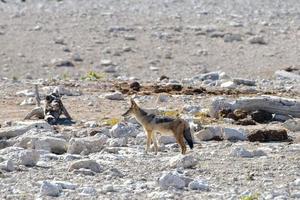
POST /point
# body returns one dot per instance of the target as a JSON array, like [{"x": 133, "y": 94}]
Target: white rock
[
  {"x": 87, "y": 144},
  {"x": 88, "y": 191},
  {"x": 110, "y": 69},
  {"x": 29, "y": 157},
  {"x": 232, "y": 37},
  {"x": 123, "y": 130},
  {"x": 292, "y": 124},
  {"x": 114, "y": 96},
  {"x": 163, "y": 139},
  {"x": 62, "y": 90},
  {"x": 38, "y": 124},
  {"x": 65, "y": 185},
  {"x": 284, "y": 75},
  {"x": 106, "y": 62},
  {"x": 50, "y": 144},
  {"x": 257, "y": 40},
  {"x": 206, "y": 134},
  {"x": 27, "y": 101},
  {"x": 185, "y": 161},
  {"x": 19, "y": 128},
  {"x": 108, "y": 188},
  {"x": 141, "y": 138},
  {"x": 162, "y": 98},
  {"x": 152, "y": 68},
  {"x": 233, "y": 134},
  {"x": 71, "y": 157},
  {"x": 26, "y": 93},
  {"x": 228, "y": 85},
  {"x": 192, "y": 109},
  {"x": 242, "y": 152},
  {"x": 208, "y": 76},
  {"x": 240, "y": 81},
  {"x": 85, "y": 164},
  {"x": 7, "y": 165},
  {"x": 198, "y": 185},
  {"x": 218, "y": 132},
  {"x": 118, "y": 142},
  {"x": 91, "y": 124},
  {"x": 297, "y": 182},
  {"x": 171, "y": 179},
  {"x": 50, "y": 189}
]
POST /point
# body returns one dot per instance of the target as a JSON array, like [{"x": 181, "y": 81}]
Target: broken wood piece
[
  {"x": 37, "y": 96},
  {"x": 272, "y": 104},
  {"x": 51, "y": 110}
]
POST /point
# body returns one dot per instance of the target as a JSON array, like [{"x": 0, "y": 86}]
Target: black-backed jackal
[{"x": 154, "y": 124}]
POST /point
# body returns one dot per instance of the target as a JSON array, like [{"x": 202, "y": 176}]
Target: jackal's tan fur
[{"x": 153, "y": 124}]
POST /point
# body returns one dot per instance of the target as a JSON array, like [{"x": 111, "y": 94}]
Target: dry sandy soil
[{"x": 53, "y": 43}]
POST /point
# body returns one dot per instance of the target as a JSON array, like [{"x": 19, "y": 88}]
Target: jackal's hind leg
[{"x": 180, "y": 141}]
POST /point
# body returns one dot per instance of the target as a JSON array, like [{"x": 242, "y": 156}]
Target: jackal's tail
[{"x": 188, "y": 136}]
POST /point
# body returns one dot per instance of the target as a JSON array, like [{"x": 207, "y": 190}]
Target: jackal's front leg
[
  {"x": 154, "y": 139},
  {"x": 149, "y": 137}
]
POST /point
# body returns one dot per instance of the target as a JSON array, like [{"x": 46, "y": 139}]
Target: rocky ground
[{"x": 175, "y": 58}]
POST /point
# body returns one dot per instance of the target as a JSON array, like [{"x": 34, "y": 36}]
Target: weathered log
[
  {"x": 272, "y": 104},
  {"x": 255, "y": 133}
]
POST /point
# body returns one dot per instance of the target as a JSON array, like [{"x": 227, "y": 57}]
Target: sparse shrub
[
  {"x": 110, "y": 121},
  {"x": 93, "y": 76},
  {"x": 170, "y": 113},
  {"x": 250, "y": 197}
]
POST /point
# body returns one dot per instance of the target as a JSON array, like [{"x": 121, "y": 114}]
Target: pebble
[
  {"x": 106, "y": 62},
  {"x": 232, "y": 37},
  {"x": 90, "y": 191},
  {"x": 114, "y": 96},
  {"x": 171, "y": 179},
  {"x": 257, "y": 40},
  {"x": 198, "y": 185},
  {"x": 85, "y": 164},
  {"x": 50, "y": 189}
]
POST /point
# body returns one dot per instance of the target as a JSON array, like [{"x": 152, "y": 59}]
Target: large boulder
[
  {"x": 47, "y": 143},
  {"x": 7, "y": 165},
  {"x": 221, "y": 133},
  {"x": 87, "y": 145},
  {"x": 123, "y": 130},
  {"x": 22, "y": 127},
  {"x": 28, "y": 157}
]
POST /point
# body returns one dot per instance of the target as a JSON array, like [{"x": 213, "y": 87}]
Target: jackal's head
[{"x": 133, "y": 109}]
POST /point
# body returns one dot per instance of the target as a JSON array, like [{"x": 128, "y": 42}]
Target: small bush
[
  {"x": 250, "y": 197},
  {"x": 110, "y": 121},
  {"x": 93, "y": 76}
]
